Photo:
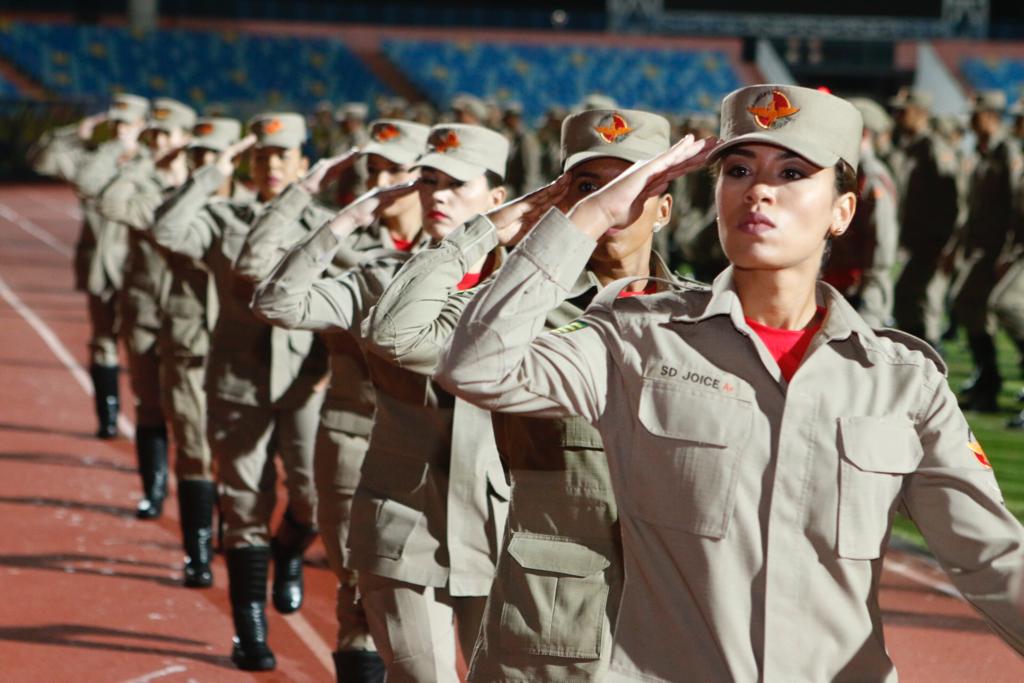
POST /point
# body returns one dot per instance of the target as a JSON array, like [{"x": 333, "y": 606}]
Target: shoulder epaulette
[{"x": 914, "y": 344}]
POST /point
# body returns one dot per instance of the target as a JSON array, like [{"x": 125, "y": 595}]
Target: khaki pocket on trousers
[{"x": 556, "y": 598}]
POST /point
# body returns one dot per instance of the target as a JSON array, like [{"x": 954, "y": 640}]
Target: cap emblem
[
  {"x": 383, "y": 132},
  {"x": 120, "y": 104},
  {"x": 772, "y": 109},
  {"x": 444, "y": 141},
  {"x": 613, "y": 128},
  {"x": 202, "y": 130},
  {"x": 270, "y": 126},
  {"x": 161, "y": 114}
]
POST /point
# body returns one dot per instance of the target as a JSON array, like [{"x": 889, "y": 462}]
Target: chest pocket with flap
[
  {"x": 683, "y": 471},
  {"x": 875, "y": 454}
]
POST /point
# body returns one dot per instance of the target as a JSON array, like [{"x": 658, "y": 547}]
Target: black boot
[
  {"x": 195, "y": 508},
  {"x": 287, "y": 546},
  {"x": 247, "y": 583},
  {"x": 358, "y": 666},
  {"x": 981, "y": 392},
  {"x": 151, "y": 451},
  {"x": 106, "y": 397}
]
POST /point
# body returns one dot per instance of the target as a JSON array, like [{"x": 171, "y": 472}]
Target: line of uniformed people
[
  {"x": 407, "y": 484},
  {"x": 217, "y": 287}
]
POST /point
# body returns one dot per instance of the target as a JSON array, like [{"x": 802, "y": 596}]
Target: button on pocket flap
[
  {"x": 881, "y": 444},
  {"x": 676, "y": 411},
  {"x": 552, "y": 555}
]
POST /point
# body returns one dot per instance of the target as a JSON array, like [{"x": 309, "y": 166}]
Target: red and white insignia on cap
[
  {"x": 613, "y": 128},
  {"x": 772, "y": 109},
  {"x": 444, "y": 141},
  {"x": 383, "y": 132},
  {"x": 161, "y": 114},
  {"x": 270, "y": 126},
  {"x": 203, "y": 129}
]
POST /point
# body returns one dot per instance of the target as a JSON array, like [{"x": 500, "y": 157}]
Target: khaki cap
[
  {"x": 279, "y": 129},
  {"x": 618, "y": 133},
  {"x": 355, "y": 110},
  {"x": 988, "y": 100},
  {"x": 464, "y": 151},
  {"x": 1017, "y": 109},
  {"x": 820, "y": 127},
  {"x": 215, "y": 133},
  {"x": 168, "y": 114},
  {"x": 129, "y": 108},
  {"x": 400, "y": 142},
  {"x": 471, "y": 104},
  {"x": 875, "y": 117},
  {"x": 911, "y": 97}
]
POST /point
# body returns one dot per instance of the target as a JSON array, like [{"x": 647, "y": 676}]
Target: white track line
[
  {"x": 167, "y": 671},
  {"x": 904, "y": 569},
  {"x": 71, "y": 211},
  {"x": 41, "y": 234},
  {"x": 50, "y": 338},
  {"x": 298, "y": 623}
]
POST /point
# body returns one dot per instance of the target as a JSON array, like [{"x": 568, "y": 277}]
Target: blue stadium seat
[
  {"x": 994, "y": 73},
  {"x": 540, "y": 76}
]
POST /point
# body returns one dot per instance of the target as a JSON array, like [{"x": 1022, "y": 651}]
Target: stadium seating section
[
  {"x": 541, "y": 76},
  {"x": 995, "y": 73},
  {"x": 194, "y": 66}
]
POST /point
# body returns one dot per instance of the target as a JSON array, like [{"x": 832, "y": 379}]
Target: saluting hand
[
  {"x": 87, "y": 126},
  {"x": 326, "y": 169},
  {"x": 620, "y": 202},
  {"x": 225, "y": 162},
  {"x": 365, "y": 209},
  {"x": 515, "y": 218}
]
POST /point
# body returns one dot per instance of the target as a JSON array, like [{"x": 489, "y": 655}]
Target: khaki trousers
[
  {"x": 184, "y": 401},
  {"x": 103, "y": 330},
  {"x": 144, "y": 373},
  {"x": 415, "y": 628},
  {"x": 243, "y": 440},
  {"x": 919, "y": 303},
  {"x": 971, "y": 291},
  {"x": 337, "y": 463}
]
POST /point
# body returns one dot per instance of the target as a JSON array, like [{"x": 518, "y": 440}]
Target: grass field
[{"x": 1005, "y": 448}]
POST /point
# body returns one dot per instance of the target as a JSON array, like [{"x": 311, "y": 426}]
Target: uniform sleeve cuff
[
  {"x": 293, "y": 200},
  {"x": 558, "y": 248},
  {"x": 209, "y": 178},
  {"x": 322, "y": 246},
  {"x": 474, "y": 239}
]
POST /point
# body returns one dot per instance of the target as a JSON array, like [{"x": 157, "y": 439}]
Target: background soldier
[
  {"x": 524, "y": 174},
  {"x": 987, "y": 227},
  {"x": 926, "y": 177},
  {"x": 131, "y": 199}
]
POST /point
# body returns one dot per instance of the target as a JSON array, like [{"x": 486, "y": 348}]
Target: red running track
[{"x": 92, "y": 594}]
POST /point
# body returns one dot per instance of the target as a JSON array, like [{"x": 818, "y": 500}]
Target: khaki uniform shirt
[
  {"x": 132, "y": 199},
  {"x": 418, "y": 515},
  {"x": 349, "y": 404},
  {"x": 754, "y": 511},
  {"x": 524, "y": 163},
  {"x": 59, "y": 153},
  {"x": 925, "y": 171},
  {"x": 103, "y": 246},
  {"x": 250, "y": 362}
]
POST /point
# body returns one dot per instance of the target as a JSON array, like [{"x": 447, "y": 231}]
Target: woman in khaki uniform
[
  {"x": 265, "y": 386},
  {"x": 347, "y": 414},
  {"x": 562, "y": 525},
  {"x": 430, "y": 507},
  {"x": 760, "y": 435},
  {"x": 131, "y": 199}
]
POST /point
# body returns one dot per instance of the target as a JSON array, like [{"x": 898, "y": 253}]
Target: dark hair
[
  {"x": 846, "y": 181},
  {"x": 493, "y": 180}
]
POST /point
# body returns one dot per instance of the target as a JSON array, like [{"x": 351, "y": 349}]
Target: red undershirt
[
  {"x": 402, "y": 245},
  {"x": 470, "y": 280},
  {"x": 651, "y": 288},
  {"x": 787, "y": 346}
]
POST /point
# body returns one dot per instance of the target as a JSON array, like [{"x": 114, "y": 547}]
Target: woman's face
[
  {"x": 448, "y": 203},
  {"x": 775, "y": 208},
  {"x": 618, "y": 243},
  {"x": 382, "y": 172},
  {"x": 273, "y": 168}
]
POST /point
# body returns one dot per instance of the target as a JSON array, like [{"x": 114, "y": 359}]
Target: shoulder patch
[
  {"x": 915, "y": 344},
  {"x": 574, "y": 326}
]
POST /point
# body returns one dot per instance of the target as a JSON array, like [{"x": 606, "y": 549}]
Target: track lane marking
[{"x": 298, "y": 623}]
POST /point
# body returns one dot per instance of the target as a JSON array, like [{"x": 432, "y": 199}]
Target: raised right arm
[{"x": 182, "y": 226}]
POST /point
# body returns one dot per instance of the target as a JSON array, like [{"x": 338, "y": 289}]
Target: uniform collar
[{"x": 840, "y": 323}]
